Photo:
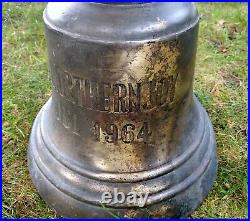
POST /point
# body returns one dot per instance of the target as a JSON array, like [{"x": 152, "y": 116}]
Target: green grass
[{"x": 220, "y": 84}]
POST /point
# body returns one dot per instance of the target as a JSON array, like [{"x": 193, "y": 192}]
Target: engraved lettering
[
  {"x": 82, "y": 97},
  {"x": 115, "y": 98},
  {"x": 68, "y": 87},
  {"x": 93, "y": 95},
  {"x": 134, "y": 98},
  {"x": 87, "y": 93},
  {"x": 112, "y": 133},
  {"x": 97, "y": 131},
  {"x": 165, "y": 89},
  {"x": 120, "y": 92},
  {"x": 144, "y": 133},
  {"x": 160, "y": 92},
  {"x": 104, "y": 96},
  {"x": 127, "y": 134}
]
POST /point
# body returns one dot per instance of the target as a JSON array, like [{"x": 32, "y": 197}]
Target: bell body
[{"x": 122, "y": 112}]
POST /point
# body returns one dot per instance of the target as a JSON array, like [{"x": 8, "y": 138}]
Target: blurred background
[{"x": 220, "y": 84}]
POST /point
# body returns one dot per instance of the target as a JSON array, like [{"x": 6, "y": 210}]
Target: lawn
[{"x": 220, "y": 84}]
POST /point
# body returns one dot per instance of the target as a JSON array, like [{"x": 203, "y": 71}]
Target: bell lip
[
  {"x": 80, "y": 209},
  {"x": 170, "y": 31}
]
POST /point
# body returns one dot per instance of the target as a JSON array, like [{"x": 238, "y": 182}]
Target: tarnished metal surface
[{"x": 122, "y": 113}]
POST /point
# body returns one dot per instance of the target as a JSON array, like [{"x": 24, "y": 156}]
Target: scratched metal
[{"x": 122, "y": 112}]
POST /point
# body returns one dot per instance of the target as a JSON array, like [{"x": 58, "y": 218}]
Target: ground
[{"x": 220, "y": 84}]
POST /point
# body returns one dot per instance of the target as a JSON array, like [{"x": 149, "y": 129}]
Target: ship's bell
[{"x": 122, "y": 116}]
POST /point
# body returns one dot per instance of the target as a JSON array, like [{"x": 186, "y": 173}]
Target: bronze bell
[{"x": 122, "y": 116}]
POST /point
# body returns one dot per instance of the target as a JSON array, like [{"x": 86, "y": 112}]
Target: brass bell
[{"x": 122, "y": 118}]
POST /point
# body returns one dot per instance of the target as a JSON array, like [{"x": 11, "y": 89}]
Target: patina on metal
[{"x": 122, "y": 112}]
